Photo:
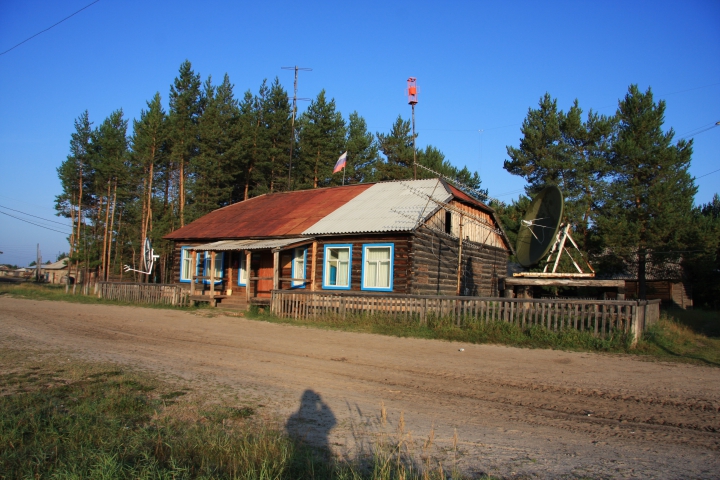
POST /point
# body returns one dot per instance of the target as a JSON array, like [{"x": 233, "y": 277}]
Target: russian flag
[{"x": 340, "y": 163}]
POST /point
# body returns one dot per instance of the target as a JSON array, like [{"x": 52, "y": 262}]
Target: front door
[{"x": 262, "y": 267}]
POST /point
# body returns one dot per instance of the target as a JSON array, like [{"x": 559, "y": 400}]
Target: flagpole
[{"x": 344, "y": 172}]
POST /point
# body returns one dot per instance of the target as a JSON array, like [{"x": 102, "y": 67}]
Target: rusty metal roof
[
  {"x": 384, "y": 207},
  {"x": 271, "y": 215}
]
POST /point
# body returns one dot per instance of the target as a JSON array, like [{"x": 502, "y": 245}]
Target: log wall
[{"x": 435, "y": 266}]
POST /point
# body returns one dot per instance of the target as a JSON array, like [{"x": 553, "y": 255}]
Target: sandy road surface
[{"x": 517, "y": 412}]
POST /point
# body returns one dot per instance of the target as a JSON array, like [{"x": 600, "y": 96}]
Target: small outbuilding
[{"x": 401, "y": 237}]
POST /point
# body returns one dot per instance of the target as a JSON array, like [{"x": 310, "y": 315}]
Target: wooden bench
[{"x": 212, "y": 300}]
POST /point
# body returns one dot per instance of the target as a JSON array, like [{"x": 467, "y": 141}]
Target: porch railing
[
  {"x": 600, "y": 317},
  {"x": 152, "y": 293}
]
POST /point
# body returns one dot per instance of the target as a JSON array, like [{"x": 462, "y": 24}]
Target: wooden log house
[{"x": 402, "y": 237}]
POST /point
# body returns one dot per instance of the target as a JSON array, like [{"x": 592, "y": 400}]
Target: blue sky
[{"x": 479, "y": 65}]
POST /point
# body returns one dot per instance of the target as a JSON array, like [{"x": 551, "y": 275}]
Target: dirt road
[{"x": 517, "y": 412}]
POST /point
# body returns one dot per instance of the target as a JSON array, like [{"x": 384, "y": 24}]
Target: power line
[
  {"x": 714, "y": 171},
  {"x": 51, "y": 26},
  {"x": 36, "y": 224},
  {"x": 34, "y": 216}
]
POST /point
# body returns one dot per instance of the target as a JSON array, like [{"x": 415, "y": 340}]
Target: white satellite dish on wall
[{"x": 148, "y": 259}]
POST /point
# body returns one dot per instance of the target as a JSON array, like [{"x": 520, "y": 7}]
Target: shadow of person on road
[{"x": 312, "y": 423}]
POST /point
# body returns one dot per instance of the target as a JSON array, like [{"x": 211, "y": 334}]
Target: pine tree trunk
[
  {"x": 107, "y": 217},
  {"x": 110, "y": 231}
]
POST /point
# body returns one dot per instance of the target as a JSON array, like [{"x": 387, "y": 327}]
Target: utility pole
[
  {"x": 38, "y": 265},
  {"x": 292, "y": 124}
]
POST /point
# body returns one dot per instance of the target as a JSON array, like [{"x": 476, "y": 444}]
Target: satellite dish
[
  {"x": 148, "y": 259},
  {"x": 539, "y": 228}
]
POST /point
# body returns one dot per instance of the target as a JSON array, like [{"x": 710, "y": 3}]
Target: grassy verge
[
  {"x": 36, "y": 291},
  {"x": 684, "y": 335},
  {"x": 64, "y": 419},
  {"x": 680, "y": 335}
]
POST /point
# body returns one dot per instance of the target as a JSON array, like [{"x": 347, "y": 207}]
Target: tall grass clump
[{"x": 684, "y": 335}]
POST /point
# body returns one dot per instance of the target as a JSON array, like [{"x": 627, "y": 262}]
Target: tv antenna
[
  {"x": 148, "y": 259},
  {"x": 292, "y": 125},
  {"x": 542, "y": 233}
]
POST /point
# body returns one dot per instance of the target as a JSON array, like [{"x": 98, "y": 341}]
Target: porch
[{"x": 239, "y": 273}]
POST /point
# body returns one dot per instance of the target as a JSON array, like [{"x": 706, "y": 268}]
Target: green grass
[
  {"x": 684, "y": 335},
  {"x": 680, "y": 335},
  {"x": 71, "y": 420},
  {"x": 34, "y": 291},
  {"x": 474, "y": 332}
]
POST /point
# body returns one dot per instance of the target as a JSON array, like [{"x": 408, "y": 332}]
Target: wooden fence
[
  {"x": 600, "y": 317},
  {"x": 153, "y": 293}
]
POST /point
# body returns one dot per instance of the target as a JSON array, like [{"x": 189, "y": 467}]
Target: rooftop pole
[{"x": 294, "y": 112}]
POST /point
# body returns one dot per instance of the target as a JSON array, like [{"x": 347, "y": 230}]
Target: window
[
  {"x": 242, "y": 271},
  {"x": 336, "y": 271},
  {"x": 185, "y": 262},
  {"x": 377, "y": 267},
  {"x": 298, "y": 266},
  {"x": 207, "y": 260}
]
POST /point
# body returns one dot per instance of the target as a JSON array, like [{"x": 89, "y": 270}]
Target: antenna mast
[
  {"x": 292, "y": 125},
  {"x": 412, "y": 100}
]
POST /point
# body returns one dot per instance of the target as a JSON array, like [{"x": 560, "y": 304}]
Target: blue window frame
[
  {"x": 185, "y": 265},
  {"x": 219, "y": 267},
  {"x": 242, "y": 271},
  {"x": 378, "y": 261},
  {"x": 337, "y": 266},
  {"x": 299, "y": 266}
]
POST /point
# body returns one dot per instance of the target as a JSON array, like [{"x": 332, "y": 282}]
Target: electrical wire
[
  {"x": 714, "y": 171},
  {"x": 51, "y": 26},
  {"x": 36, "y": 224},
  {"x": 34, "y": 216}
]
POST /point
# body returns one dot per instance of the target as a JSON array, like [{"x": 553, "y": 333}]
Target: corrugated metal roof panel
[
  {"x": 384, "y": 207},
  {"x": 272, "y": 215},
  {"x": 224, "y": 245}
]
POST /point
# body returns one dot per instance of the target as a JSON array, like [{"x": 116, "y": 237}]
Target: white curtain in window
[
  {"x": 185, "y": 264},
  {"x": 243, "y": 271},
  {"x": 339, "y": 261},
  {"x": 299, "y": 266},
  {"x": 377, "y": 267}
]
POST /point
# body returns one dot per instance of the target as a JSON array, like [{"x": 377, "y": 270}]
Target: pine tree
[
  {"x": 397, "y": 146},
  {"x": 185, "y": 111},
  {"x": 75, "y": 178},
  {"x": 322, "y": 140},
  {"x": 362, "y": 151},
  {"x": 218, "y": 138},
  {"x": 110, "y": 158},
  {"x": 558, "y": 148},
  {"x": 650, "y": 198},
  {"x": 249, "y": 179},
  {"x": 148, "y": 157},
  {"x": 277, "y": 113}
]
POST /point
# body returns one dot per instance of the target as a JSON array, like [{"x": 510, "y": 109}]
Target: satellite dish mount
[
  {"x": 148, "y": 259},
  {"x": 542, "y": 233}
]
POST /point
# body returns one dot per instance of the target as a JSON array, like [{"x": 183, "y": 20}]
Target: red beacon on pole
[{"x": 412, "y": 91}]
